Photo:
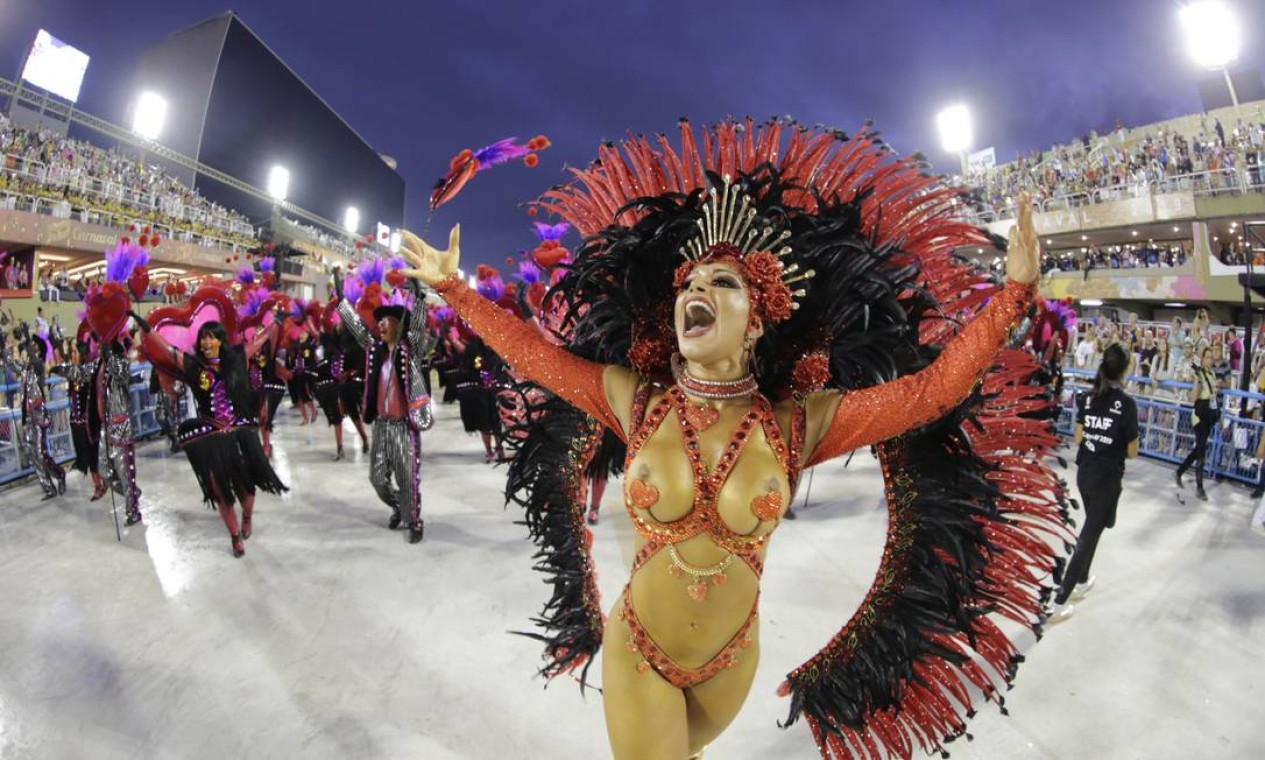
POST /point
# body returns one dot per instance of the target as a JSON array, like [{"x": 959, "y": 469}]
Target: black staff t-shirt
[{"x": 1109, "y": 426}]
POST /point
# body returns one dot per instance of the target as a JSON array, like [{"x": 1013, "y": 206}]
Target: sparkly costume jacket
[
  {"x": 31, "y": 388},
  {"x": 411, "y": 362},
  {"x": 114, "y": 394}
]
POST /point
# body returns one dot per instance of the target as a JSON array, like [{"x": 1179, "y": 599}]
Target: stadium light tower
[
  {"x": 351, "y": 219},
  {"x": 278, "y": 183},
  {"x": 954, "y": 125},
  {"x": 1214, "y": 38},
  {"x": 150, "y": 115}
]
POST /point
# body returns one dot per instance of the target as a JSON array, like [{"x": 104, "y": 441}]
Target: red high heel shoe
[{"x": 238, "y": 547}]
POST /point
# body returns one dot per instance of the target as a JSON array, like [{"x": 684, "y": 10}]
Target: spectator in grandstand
[
  {"x": 1148, "y": 354},
  {"x": 1107, "y": 435},
  {"x": 1220, "y": 366},
  {"x": 1207, "y": 411},
  {"x": 1086, "y": 350},
  {"x": 1176, "y": 344},
  {"x": 48, "y": 290},
  {"x": 1236, "y": 350},
  {"x": 1159, "y": 369}
]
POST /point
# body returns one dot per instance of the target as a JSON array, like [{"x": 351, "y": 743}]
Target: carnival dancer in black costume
[
  {"x": 396, "y": 401},
  {"x": 85, "y": 418},
  {"x": 33, "y": 443},
  {"x": 301, "y": 359},
  {"x": 222, "y": 442},
  {"x": 339, "y": 386}
]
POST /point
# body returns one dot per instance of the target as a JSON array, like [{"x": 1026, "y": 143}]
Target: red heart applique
[
  {"x": 767, "y": 507},
  {"x": 641, "y": 495}
]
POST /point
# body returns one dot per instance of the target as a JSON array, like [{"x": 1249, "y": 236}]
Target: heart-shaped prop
[
  {"x": 107, "y": 310},
  {"x": 179, "y": 325},
  {"x": 138, "y": 282}
]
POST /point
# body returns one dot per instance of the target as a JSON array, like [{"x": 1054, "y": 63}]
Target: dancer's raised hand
[
  {"x": 1023, "y": 254},
  {"x": 431, "y": 265}
]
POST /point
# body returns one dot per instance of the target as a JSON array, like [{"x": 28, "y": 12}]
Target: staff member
[{"x": 1107, "y": 433}]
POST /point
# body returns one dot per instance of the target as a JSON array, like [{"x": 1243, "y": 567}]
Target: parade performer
[
  {"x": 33, "y": 443},
  {"x": 85, "y": 417},
  {"x": 222, "y": 441},
  {"x": 396, "y": 401},
  {"x": 339, "y": 386},
  {"x": 107, "y": 314},
  {"x": 259, "y": 305},
  {"x": 685, "y": 341}
]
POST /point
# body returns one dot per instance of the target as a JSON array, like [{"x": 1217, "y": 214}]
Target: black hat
[{"x": 390, "y": 310}]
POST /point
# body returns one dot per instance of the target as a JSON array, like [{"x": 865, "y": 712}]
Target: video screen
[{"x": 55, "y": 66}]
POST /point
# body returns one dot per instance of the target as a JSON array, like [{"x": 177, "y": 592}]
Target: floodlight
[
  {"x": 954, "y": 124},
  {"x": 351, "y": 218},
  {"x": 1212, "y": 33},
  {"x": 150, "y": 115},
  {"x": 279, "y": 182}
]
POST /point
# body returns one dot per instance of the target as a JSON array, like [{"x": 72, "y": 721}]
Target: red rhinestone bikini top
[{"x": 705, "y": 516}]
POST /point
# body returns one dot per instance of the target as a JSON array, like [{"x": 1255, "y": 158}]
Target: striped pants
[{"x": 396, "y": 455}]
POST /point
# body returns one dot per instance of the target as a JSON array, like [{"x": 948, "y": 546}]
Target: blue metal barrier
[
  {"x": 13, "y": 467},
  {"x": 1165, "y": 428}
]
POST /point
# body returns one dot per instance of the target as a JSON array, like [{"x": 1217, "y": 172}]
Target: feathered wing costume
[{"x": 975, "y": 514}]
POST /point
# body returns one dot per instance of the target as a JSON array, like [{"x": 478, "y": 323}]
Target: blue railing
[
  {"x": 13, "y": 466},
  {"x": 1165, "y": 429}
]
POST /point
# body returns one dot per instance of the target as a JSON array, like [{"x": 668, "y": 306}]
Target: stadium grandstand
[
  {"x": 1154, "y": 235},
  {"x": 71, "y": 184}
]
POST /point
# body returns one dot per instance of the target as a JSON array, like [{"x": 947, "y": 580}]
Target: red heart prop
[
  {"x": 107, "y": 310},
  {"x": 138, "y": 282},
  {"x": 179, "y": 325}
]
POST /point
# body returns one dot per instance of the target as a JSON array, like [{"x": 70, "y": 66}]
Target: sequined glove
[{"x": 420, "y": 414}]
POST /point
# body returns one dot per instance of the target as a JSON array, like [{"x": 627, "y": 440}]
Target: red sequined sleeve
[
  {"x": 885, "y": 411},
  {"x": 577, "y": 380}
]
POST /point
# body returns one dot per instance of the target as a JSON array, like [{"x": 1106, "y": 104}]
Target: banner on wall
[{"x": 17, "y": 273}]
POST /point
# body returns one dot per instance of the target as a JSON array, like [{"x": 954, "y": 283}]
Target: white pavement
[{"x": 334, "y": 638}]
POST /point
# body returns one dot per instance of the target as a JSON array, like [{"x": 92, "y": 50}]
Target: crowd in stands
[
  {"x": 1120, "y": 165},
  {"x": 108, "y": 187},
  {"x": 1165, "y": 351}
]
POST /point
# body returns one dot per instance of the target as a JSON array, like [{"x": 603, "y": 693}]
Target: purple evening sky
[{"x": 421, "y": 80}]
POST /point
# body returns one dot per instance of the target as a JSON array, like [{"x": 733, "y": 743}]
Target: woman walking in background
[
  {"x": 1107, "y": 433},
  {"x": 1203, "y": 394}
]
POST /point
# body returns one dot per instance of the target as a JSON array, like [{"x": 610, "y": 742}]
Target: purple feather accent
[
  {"x": 82, "y": 314},
  {"x": 399, "y": 298},
  {"x": 267, "y": 264},
  {"x": 254, "y": 299},
  {"x": 444, "y": 313},
  {"x": 492, "y": 288},
  {"x": 371, "y": 271},
  {"x": 246, "y": 276},
  {"x": 1066, "y": 314},
  {"x": 122, "y": 260},
  {"x": 297, "y": 307},
  {"x": 551, "y": 231},
  {"x": 528, "y": 272},
  {"x": 397, "y": 262},
  {"x": 352, "y": 289},
  {"x": 500, "y": 152}
]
